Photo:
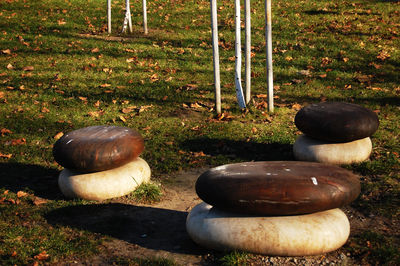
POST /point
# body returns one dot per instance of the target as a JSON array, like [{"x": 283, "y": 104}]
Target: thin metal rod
[
  {"x": 247, "y": 49},
  {"x": 214, "y": 33},
  {"x": 268, "y": 43},
  {"x": 109, "y": 16},
  {"x": 145, "y": 17},
  {"x": 238, "y": 57},
  {"x": 128, "y": 6}
]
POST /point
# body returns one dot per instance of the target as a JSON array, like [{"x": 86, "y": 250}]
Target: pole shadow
[{"x": 247, "y": 151}]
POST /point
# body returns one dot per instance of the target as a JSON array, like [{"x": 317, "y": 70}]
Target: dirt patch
[{"x": 158, "y": 230}]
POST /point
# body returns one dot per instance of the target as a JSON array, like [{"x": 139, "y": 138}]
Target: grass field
[{"x": 60, "y": 71}]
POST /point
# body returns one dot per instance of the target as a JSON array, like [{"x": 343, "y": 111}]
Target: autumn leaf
[
  {"x": 129, "y": 109},
  {"x": 323, "y": 75},
  {"x": 16, "y": 142},
  {"x": 254, "y": 130},
  {"x": 95, "y": 50},
  {"x": 39, "y": 201},
  {"x": 105, "y": 85},
  {"x": 21, "y": 194},
  {"x": 58, "y": 135},
  {"x": 45, "y": 110},
  {"x": 9, "y": 66},
  {"x": 28, "y": 68},
  {"x": 296, "y": 106},
  {"x": 289, "y": 58},
  {"x": 6, "y": 51},
  {"x": 261, "y": 95},
  {"x": 5, "y": 131},
  {"x": 42, "y": 256},
  {"x": 6, "y": 156},
  {"x": 122, "y": 118}
]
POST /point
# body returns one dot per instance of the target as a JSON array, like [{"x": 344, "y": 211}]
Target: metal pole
[
  {"x": 214, "y": 32},
  {"x": 145, "y": 17},
  {"x": 247, "y": 49},
  {"x": 238, "y": 57},
  {"x": 268, "y": 38},
  {"x": 109, "y": 16}
]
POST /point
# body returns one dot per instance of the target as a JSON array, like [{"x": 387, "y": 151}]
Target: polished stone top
[
  {"x": 277, "y": 187},
  {"x": 98, "y": 148},
  {"x": 336, "y": 121}
]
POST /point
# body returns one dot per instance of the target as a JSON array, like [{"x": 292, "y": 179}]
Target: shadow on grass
[
  {"x": 248, "y": 151},
  {"x": 40, "y": 180},
  {"x": 148, "y": 227}
]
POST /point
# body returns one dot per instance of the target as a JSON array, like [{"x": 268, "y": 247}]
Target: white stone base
[
  {"x": 105, "y": 184},
  {"x": 313, "y": 150},
  {"x": 297, "y": 235}
]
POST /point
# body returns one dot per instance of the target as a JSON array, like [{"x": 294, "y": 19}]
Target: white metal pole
[
  {"x": 109, "y": 16},
  {"x": 238, "y": 57},
  {"x": 128, "y": 6},
  {"x": 268, "y": 38},
  {"x": 145, "y": 17},
  {"x": 247, "y": 49},
  {"x": 214, "y": 32}
]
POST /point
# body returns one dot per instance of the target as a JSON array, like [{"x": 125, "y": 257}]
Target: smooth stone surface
[
  {"x": 277, "y": 187},
  {"x": 298, "y": 235},
  {"x": 336, "y": 121},
  {"x": 313, "y": 150},
  {"x": 98, "y": 148},
  {"x": 105, "y": 184}
]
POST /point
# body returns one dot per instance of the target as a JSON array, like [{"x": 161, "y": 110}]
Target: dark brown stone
[
  {"x": 336, "y": 121},
  {"x": 277, "y": 187},
  {"x": 98, "y": 148}
]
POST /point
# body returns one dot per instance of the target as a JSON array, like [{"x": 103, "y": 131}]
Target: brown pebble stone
[
  {"x": 277, "y": 187},
  {"x": 98, "y": 148},
  {"x": 336, "y": 121}
]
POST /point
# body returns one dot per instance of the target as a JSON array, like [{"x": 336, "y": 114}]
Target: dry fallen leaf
[
  {"x": 105, "y": 85},
  {"x": 16, "y": 142},
  {"x": 9, "y": 66},
  {"x": 261, "y": 95},
  {"x": 129, "y": 109},
  {"x": 58, "y": 135},
  {"x": 122, "y": 118},
  {"x": 21, "y": 194},
  {"x": 45, "y": 110},
  {"x": 296, "y": 106},
  {"x": 42, "y": 256},
  {"x": 95, "y": 50},
  {"x": 6, "y": 51},
  {"x": 254, "y": 130},
  {"x": 4, "y": 131},
  {"x": 39, "y": 201},
  {"x": 28, "y": 68}
]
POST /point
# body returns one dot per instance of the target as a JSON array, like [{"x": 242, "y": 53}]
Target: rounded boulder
[
  {"x": 98, "y": 148},
  {"x": 298, "y": 235},
  {"x": 107, "y": 184},
  {"x": 336, "y": 121},
  {"x": 277, "y": 187},
  {"x": 314, "y": 150}
]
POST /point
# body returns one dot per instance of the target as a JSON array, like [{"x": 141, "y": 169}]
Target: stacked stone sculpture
[
  {"x": 101, "y": 162},
  {"x": 278, "y": 208},
  {"x": 335, "y": 133}
]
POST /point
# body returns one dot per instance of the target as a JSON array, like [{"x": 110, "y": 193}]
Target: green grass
[
  {"x": 147, "y": 192},
  {"x": 323, "y": 50}
]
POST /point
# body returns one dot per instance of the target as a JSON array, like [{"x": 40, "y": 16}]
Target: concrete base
[
  {"x": 309, "y": 149},
  {"x": 105, "y": 184},
  {"x": 298, "y": 235}
]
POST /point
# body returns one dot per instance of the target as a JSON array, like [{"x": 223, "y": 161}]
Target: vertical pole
[
  {"x": 145, "y": 17},
  {"x": 247, "y": 49},
  {"x": 214, "y": 32},
  {"x": 238, "y": 57},
  {"x": 268, "y": 38},
  {"x": 128, "y": 6},
  {"x": 109, "y": 16}
]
